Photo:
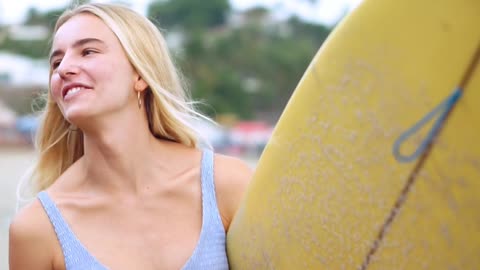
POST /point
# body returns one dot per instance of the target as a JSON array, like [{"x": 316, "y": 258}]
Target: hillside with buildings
[{"x": 243, "y": 64}]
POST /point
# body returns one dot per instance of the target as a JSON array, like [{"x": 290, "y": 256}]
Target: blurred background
[{"x": 241, "y": 57}]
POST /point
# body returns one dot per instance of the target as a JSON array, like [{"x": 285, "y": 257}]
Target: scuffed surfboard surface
[{"x": 327, "y": 181}]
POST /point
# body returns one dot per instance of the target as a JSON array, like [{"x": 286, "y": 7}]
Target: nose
[{"x": 67, "y": 68}]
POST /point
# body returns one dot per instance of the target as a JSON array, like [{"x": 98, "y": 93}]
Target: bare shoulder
[
  {"x": 29, "y": 223},
  {"x": 29, "y": 240},
  {"x": 232, "y": 177}
]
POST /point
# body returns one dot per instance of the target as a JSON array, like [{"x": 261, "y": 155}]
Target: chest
[{"x": 150, "y": 235}]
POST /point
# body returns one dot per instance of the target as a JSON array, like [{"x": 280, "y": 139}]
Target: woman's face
[{"x": 91, "y": 74}]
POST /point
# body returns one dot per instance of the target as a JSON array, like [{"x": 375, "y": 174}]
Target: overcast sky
[{"x": 325, "y": 11}]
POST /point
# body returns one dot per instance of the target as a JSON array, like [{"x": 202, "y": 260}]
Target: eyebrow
[{"x": 77, "y": 43}]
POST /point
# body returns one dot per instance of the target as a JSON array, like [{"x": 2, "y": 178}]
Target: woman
[{"x": 122, "y": 182}]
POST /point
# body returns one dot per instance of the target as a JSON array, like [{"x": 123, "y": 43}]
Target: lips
[{"x": 72, "y": 88}]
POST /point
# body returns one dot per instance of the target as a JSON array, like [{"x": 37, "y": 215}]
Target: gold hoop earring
[{"x": 139, "y": 100}]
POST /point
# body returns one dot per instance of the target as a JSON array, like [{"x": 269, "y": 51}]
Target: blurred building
[
  {"x": 250, "y": 137},
  {"x": 259, "y": 17},
  {"x": 20, "y": 71},
  {"x": 28, "y": 32}
]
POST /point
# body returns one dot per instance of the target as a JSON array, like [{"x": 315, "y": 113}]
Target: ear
[{"x": 140, "y": 84}]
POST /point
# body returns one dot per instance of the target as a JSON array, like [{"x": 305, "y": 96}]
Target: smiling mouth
[{"x": 73, "y": 91}]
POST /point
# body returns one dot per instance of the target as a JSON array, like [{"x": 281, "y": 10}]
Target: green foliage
[
  {"x": 31, "y": 48},
  {"x": 245, "y": 69},
  {"x": 189, "y": 14},
  {"x": 34, "y": 48},
  {"x": 252, "y": 69},
  {"x": 48, "y": 19},
  {"x": 248, "y": 69}
]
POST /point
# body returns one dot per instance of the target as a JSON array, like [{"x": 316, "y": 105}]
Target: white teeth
[{"x": 72, "y": 91}]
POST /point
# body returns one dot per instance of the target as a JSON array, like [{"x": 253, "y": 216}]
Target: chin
[{"x": 77, "y": 115}]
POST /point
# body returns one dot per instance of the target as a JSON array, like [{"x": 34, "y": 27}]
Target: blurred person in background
[{"x": 121, "y": 181}]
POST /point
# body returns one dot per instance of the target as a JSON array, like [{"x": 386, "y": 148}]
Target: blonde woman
[{"x": 122, "y": 182}]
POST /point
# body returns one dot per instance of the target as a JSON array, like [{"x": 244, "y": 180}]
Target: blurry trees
[
  {"x": 37, "y": 48},
  {"x": 245, "y": 64},
  {"x": 48, "y": 19},
  {"x": 30, "y": 48},
  {"x": 34, "y": 48},
  {"x": 241, "y": 63},
  {"x": 189, "y": 14}
]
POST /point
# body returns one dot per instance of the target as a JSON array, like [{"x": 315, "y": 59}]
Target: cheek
[
  {"x": 118, "y": 76},
  {"x": 55, "y": 87}
]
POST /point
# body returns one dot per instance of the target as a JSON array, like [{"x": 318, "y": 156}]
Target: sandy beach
[{"x": 13, "y": 164}]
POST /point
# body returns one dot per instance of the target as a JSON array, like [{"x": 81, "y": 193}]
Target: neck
[{"x": 119, "y": 155}]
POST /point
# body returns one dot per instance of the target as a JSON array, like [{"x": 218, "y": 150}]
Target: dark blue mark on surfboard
[{"x": 441, "y": 111}]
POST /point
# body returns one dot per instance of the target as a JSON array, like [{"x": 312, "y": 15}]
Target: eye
[
  {"x": 88, "y": 52},
  {"x": 55, "y": 64}
]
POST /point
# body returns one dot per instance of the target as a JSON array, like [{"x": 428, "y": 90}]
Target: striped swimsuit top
[{"x": 210, "y": 252}]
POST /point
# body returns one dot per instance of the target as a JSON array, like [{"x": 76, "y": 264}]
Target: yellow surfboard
[{"x": 375, "y": 162}]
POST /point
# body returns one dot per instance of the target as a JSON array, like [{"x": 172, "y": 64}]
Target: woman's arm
[{"x": 29, "y": 243}]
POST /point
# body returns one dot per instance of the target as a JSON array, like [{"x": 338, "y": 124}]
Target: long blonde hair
[{"x": 169, "y": 109}]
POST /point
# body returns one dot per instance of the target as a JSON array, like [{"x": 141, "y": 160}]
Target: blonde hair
[{"x": 169, "y": 111}]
